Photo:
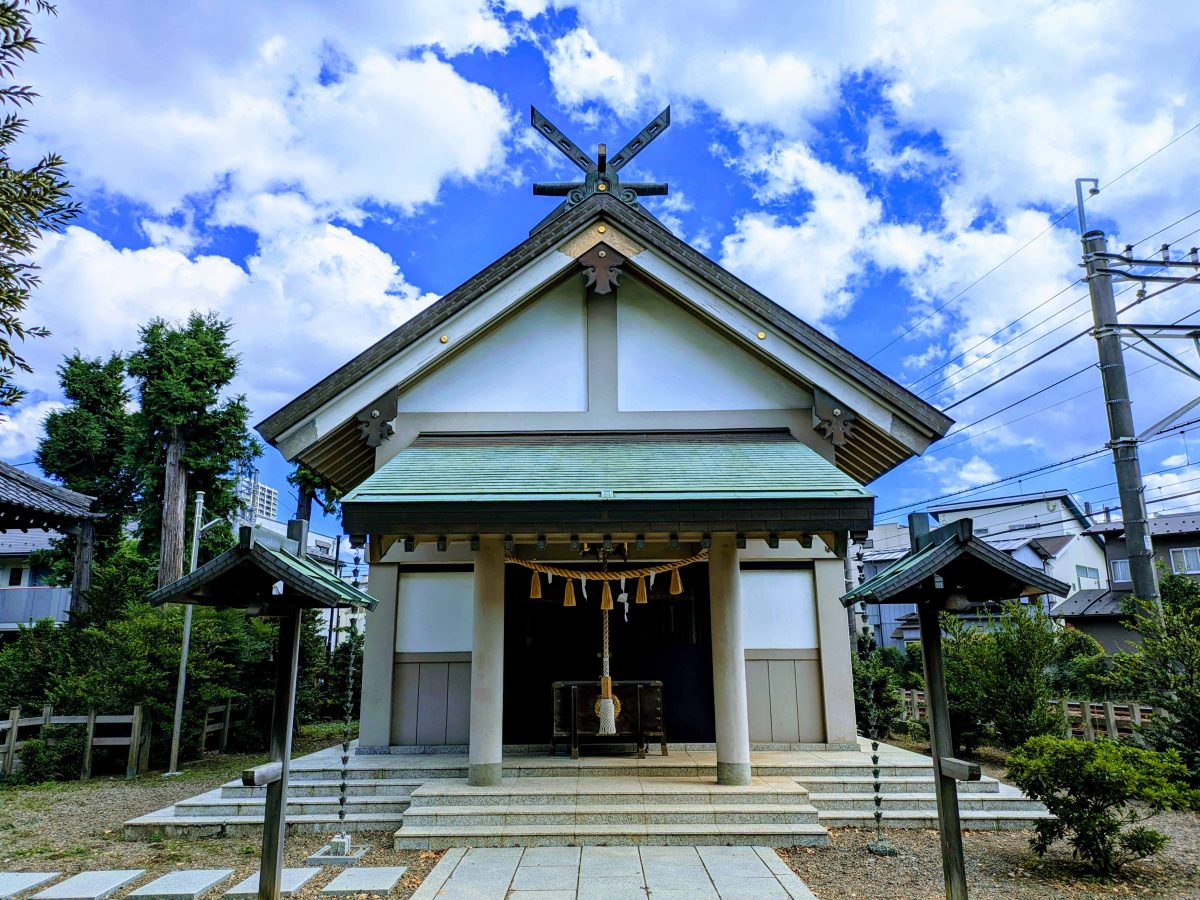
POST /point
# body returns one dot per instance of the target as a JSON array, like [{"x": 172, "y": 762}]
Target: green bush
[
  {"x": 918, "y": 731},
  {"x": 877, "y": 700},
  {"x": 1090, "y": 788},
  {"x": 1019, "y": 650},
  {"x": 56, "y": 755},
  {"x": 964, "y": 657},
  {"x": 1080, "y": 666},
  {"x": 1164, "y": 671}
]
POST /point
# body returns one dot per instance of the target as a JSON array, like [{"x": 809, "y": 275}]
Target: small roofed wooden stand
[
  {"x": 944, "y": 568},
  {"x": 27, "y": 501},
  {"x": 270, "y": 576}
]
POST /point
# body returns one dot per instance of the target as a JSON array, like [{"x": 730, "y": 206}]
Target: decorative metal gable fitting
[
  {"x": 600, "y": 174},
  {"x": 601, "y": 268},
  {"x": 832, "y": 418}
]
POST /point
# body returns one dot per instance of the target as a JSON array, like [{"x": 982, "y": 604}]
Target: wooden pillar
[
  {"x": 86, "y": 769},
  {"x": 732, "y": 722},
  {"x": 81, "y": 582},
  {"x": 135, "y": 740},
  {"x": 485, "y": 758},
  {"x": 941, "y": 745},
  {"x": 287, "y": 661},
  {"x": 10, "y": 743}
]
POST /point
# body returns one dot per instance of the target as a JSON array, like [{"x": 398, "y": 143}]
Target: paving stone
[
  {"x": 610, "y": 861},
  {"x": 550, "y": 856},
  {"x": 662, "y": 878},
  {"x": 541, "y": 895},
  {"x": 545, "y": 878},
  {"x": 91, "y": 885},
  {"x": 611, "y": 887},
  {"x": 432, "y": 885},
  {"x": 740, "y": 888},
  {"x": 13, "y": 883},
  {"x": 676, "y": 856},
  {"x": 186, "y": 884},
  {"x": 365, "y": 880},
  {"x": 290, "y": 882}
]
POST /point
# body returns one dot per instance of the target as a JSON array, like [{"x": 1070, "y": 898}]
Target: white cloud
[
  {"x": 307, "y": 301},
  {"x": 955, "y": 474},
  {"x": 1173, "y": 492},
  {"x": 1175, "y": 460},
  {"x": 331, "y": 104},
  {"x": 21, "y": 428},
  {"x": 774, "y": 253}
]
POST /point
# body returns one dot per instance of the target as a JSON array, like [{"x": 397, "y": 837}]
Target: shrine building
[{"x": 606, "y": 441}]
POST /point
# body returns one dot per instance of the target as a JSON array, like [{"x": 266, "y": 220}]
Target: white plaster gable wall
[
  {"x": 779, "y": 609},
  {"x": 1083, "y": 551},
  {"x": 433, "y": 612},
  {"x": 668, "y": 360},
  {"x": 534, "y": 362}
]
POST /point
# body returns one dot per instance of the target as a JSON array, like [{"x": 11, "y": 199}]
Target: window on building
[
  {"x": 1087, "y": 576},
  {"x": 1186, "y": 560},
  {"x": 1120, "y": 570},
  {"x": 14, "y": 576}
]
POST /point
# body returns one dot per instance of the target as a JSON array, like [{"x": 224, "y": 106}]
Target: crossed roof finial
[{"x": 599, "y": 175}]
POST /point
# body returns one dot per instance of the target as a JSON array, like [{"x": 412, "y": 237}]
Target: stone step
[
  {"x": 425, "y": 770},
  {"x": 972, "y": 819},
  {"x": 840, "y": 784},
  {"x": 528, "y": 791},
  {"x": 355, "y": 787},
  {"x": 496, "y": 815},
  {"x": 165, "y": 824},
  {"x": 435, "y": 837},
  {"x": 213, "y": 804},
  {"x": 922, "y": 801}
]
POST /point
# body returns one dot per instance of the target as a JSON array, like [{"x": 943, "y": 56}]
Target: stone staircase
[
  {"x": 425, "y": 800},
  {"x": 539, "y": 811}
]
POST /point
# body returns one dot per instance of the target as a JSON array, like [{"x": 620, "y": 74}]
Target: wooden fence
[
  {"x": 132, "y": 731},
  {"x": 1085, "y": 719},
  {"x": 217, "y": 720}
]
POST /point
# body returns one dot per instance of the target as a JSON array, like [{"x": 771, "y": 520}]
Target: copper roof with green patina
[{"x": 605, "y": 466}]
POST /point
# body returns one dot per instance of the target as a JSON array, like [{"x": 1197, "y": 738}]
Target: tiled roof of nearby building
[
  {"x": 27, "y": 501},
  {"x": 1091, "y": 602},
  {"x": 574, "y": 467},
  {"x": 16, "y": 543},
  {"x": 1046, "y": 546}
]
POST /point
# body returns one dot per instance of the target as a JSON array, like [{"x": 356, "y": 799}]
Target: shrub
[
  {"x": 877, "y": 701},
  {"x": 56, "y": 755},
  {"x": 964, "y": 657},
  {"x": 1080, "y": 666},
  {"x": 1089, "y": 788},
  {"x": 1165, "y": 671},
  {"x": 1019, "y": 650}
]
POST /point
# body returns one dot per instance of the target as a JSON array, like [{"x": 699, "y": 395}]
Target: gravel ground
[
  {"x": 999, "y": 864},
  {"x": 73, "y": 826}
]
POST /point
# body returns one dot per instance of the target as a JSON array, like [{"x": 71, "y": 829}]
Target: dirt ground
[
  {"x": 72, "y": 826},
  {"x": 999, "y": 864}
]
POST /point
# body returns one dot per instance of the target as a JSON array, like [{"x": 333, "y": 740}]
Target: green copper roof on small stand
[{"x": 599, "y": 175}]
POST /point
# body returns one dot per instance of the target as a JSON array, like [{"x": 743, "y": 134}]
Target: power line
[{"x": 1032, "y": 240}]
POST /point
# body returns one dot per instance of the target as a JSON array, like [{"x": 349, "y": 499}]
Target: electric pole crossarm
[
  {"x": 1170, "y": 359},
  {"x": 1122, "y": 275},
  {"x": 1163, "y": 423}
]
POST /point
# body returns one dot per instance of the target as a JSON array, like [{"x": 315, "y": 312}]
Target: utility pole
[{"x": 1123, "y": 437}]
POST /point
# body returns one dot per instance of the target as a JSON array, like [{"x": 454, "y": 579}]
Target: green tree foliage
[
  {"x": 1080, "y": 667},
  {"x": 965, "y": 653},
  {"x": 1020, "y": 648},
  {"x": 1099, "y": 793},
  {"x": 312, "y": 486},
  {"x": 33, "y": 201},
  {"x": 877, "y": 698},
  {"x": 184, "y": 422},
  {"x": 1164, "y": 671}
]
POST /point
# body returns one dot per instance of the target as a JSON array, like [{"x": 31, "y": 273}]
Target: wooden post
[
  {"x": 1066, "y": 714},
  {"x": 1110, "y": 720},
  {"x": 225, "y": 724},
  {"x": 916, "y": 708},
  {"x": 275, "y": 813},
  {"x": 941, "y": 746},
  {"x": 1136, "y": 708},
  {"x": 90, "y": 736},
  {"x": 135, "y": 738},
  {"x": 47, "y": 716},
  {"x": 1089, "y": 728},
  {"x": 203, "y": 731},
  {"x": 81, "y": 582},
  {"x": 10, "y": 745}
]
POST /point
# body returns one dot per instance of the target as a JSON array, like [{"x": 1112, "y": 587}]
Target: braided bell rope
[{"x": 606, "y": 576}]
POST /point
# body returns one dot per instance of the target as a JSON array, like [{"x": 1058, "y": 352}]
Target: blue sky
[{"x": 319, "y": 175}]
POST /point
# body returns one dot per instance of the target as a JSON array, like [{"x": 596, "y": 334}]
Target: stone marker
[
  {"x": 91, "y": 885},
  {"x": 292, "y": 881},
  {"x": 187, "y": 884},
  {"x": 13, "y": 883},
  {"x": 366, "y": 880}
]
